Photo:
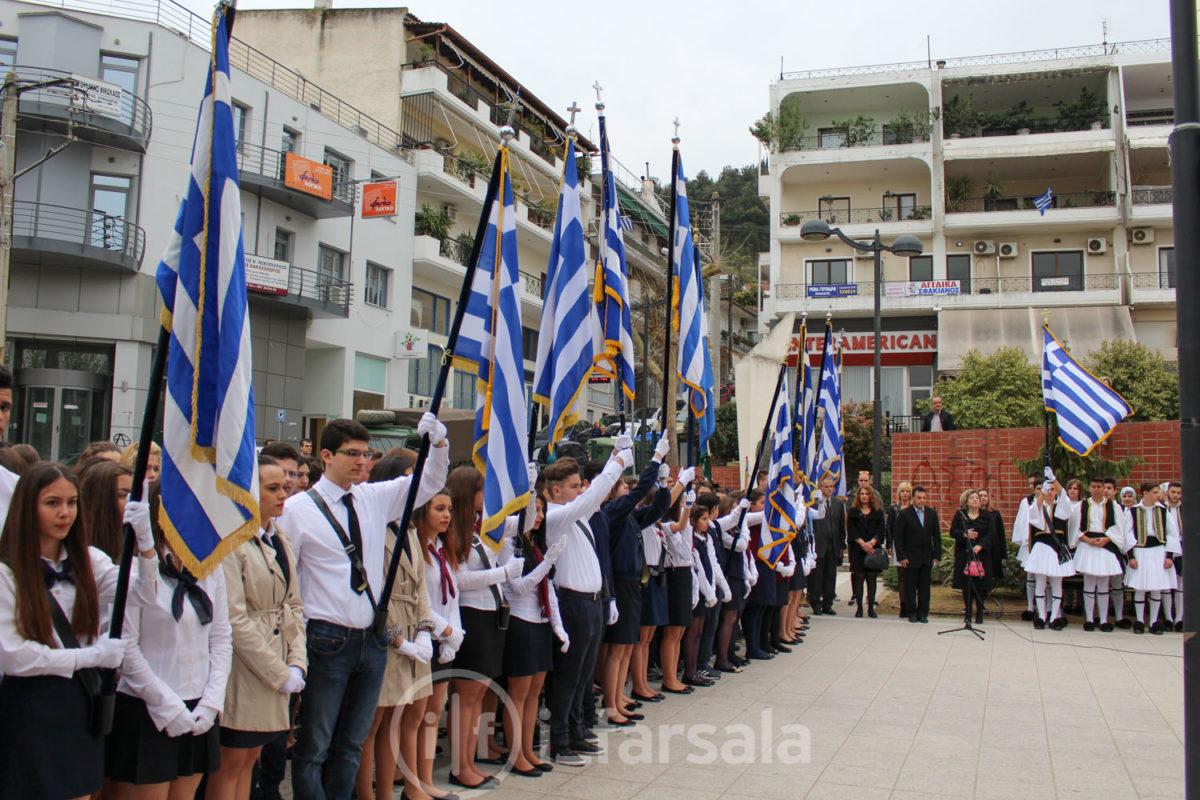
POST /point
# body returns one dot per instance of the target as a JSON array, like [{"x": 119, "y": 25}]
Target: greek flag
[
  {"x": 781, "y": 489},
  {"x": 707, "y": 422},
  {"x": 687, "y": 302},
  {"x": 806, "y": 420},
  {"x": 568, "y": 335},
  {"x": 829, "y": 460},
  {"x": 1043, "y": 200},
  {"x": 612, "y": 285},
  {"x": 626, "y": 222},
  {"x": 209, "y": 465},
  {"x": 489, "y": 346},
  {"x": 1087, "y": 409}
]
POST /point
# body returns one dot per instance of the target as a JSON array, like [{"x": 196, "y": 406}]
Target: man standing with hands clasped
[
  {"x": 918, "y": 549},
  {"x": 338, "y": 532}
]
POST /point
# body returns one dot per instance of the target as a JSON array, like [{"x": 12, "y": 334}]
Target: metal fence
[
  {"x": 269, "y": 163},
  {"x": 1153, "y": 280},
  {"x": 80, "y": 226},
  {"x": 1091, "y": 199},
  {"x": 456, "y": 250},
  {"x": 837, "y": 138},
  {"x": 1153, "y": 195},
  {"x": 135, "y": 114},
  {"x": 857, "y": 215},
  {"x": 322, "y": 287},
  {"x": 865, "y": 290}
]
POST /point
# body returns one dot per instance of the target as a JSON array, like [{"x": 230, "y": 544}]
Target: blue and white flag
[
  {"x": 612, "y": 285},
  {"x": 830, "y": 459},
  {"x": 209, "y": 463},
  {"x": 568, "y": 335},
  {"x": 706, "y": 423},
  {"x": 806, "y": 421},
  {"x": 490, "y": 347},
  {"x": 780, "y": 526},
  {"x": 1086, "y": 408},
  {"x": 687, "y": 302},
  {"x": 1044, "y": 200}
]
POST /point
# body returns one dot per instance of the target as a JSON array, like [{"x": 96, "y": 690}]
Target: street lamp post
[{"x": 818, "y": 230}]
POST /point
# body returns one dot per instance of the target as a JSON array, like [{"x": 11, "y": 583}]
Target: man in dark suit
[
  {"x": 938, "y": 419},
  {"x": 829, "y": 533},
  {"x": 918, "y": 547}
]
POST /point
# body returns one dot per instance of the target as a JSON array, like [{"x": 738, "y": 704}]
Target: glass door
[
  {"x": 38, "y": 416},
  {"x": 61, "y": 411},
  {"x": 74, "y": 422}
]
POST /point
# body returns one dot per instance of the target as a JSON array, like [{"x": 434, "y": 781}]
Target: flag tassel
[{"x": 435, "y": 404}]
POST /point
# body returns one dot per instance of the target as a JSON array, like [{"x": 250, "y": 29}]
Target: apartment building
[
  {"x": 449, "y": 99},
  {"x": 328, "y": 284},
  {"x": 957, "y": 153}
]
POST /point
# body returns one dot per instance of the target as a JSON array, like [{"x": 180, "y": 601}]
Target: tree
[
  {"x": 723, "y": 446},
  {"x": 1002, "y": 390},
  {"x": 857, "y": 430},
  {"x": 1140, "y": 375}
]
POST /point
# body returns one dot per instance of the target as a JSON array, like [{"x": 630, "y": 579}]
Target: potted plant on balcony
[
  {"x": 784, "y": 130},
  {"x": 957, "y": 190},
  {"x": 1020, "y": 118},
  {"x": 920, "y": 212},
  {"x": 993, "y": 188},
  {"x": 433, "y": 222},
  {"x": 791, "y": 220},
  {"x": 1089, "y": 111},
  {"x": 858, "y": 130},
  {"x": 474, "y": 164},
  {"x": 959, "y": 117}
]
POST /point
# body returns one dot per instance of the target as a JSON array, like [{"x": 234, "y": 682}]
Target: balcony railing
[
  {"x": 856, "y": 215},
  {"x": 533, "y": 284},
  {"x": 839, "y": 138},
  {"x": 542, "y": 217},
  {"x": 1029, "y": 125},
  {"x": 268, "y": 163},
  {"x": 92, "y": 231},
  {"x": 1153, "y": 195},
  {"x": 457, "y": 251},
  {"x": 316, "y": 290},
  {"x": 54, "y": 104},
  {"x": 823, "y": 292},
  {"x": 1153, "y": 280},
  {"x": 1154, "y": 116},
  {"x": 1026, "y": 203}
]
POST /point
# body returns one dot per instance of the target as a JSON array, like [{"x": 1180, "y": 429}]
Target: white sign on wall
[
  {"x": 267, "y": 275},
  {"x": 98, "y": 97},
  {"x": 412, "y": 343}
]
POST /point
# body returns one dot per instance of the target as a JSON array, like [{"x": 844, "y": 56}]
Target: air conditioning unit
[
  {"x": 1097, "y": 246},
  {"x": 1142, "y": 235},
  {"x": 1008, "y": 249},
  {"x": 865, "y": 255},
  {"x": 984, "y": 247},
  {"x": 417, "y": 401}
]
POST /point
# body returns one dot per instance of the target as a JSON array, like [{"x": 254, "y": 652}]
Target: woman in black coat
[
  {"x": 999, "y": 538},
  {"x": 971, "y": 531},
  {"x": 865, "y": 532}
]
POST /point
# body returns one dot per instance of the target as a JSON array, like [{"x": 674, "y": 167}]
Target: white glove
[
  {"x": 1049, "y": 473},
  {"x": 686, "y": 475},
  {"x": 663, "y": 447},
  {"x": 454, "y": 641},
  {"x": 180, "y": 725},
  {"x": 664, "y": 474},
  {"x": 710, "y": 598},
  {"x": 294, "y": 683},
  {"x": 624, "y": 441},
  {"x": 785, "y": 570},
  {"x": 723, "y": 593},
  {"x": 424, "y": 644},
  {"x": 743, "y": 504},
  {"x": 555, "y": 550},
  {"x": 625, "y": 456},
  {"x": 689, "y": 498},
  {"x": 749, "y": 588},
  {"x": 105, "y": 652},
  {"x": 411, "y": 649},
  {"x": 613, "y": 613},
  {"x": 514, "y": 567},
  {"x": 202, "y": 719},
  {"x": 532, "y": 469},
  {"x": 430, "y": 426},
  {"x": 446, "y": 655},
  {"x": 561, "y": 635},
  {"x": 137, "y": 514},
  {"x": 1047, "y": 486}
]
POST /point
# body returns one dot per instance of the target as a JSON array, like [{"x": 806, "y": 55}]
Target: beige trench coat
[
  {"x": 268, "y": 635},
  {"x": 407, "y": 609}
]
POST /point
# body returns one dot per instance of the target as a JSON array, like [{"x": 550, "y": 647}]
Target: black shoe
[
  {"x": 781, "y": 648},
  {"x": 913, "y": 619},
  {"x": 487, "y": 783},
  {"x": 730, "y": 668},
  {"x": 1179, "y": 627},
  {"x": 829, "y": 610},
  {"x": 628, "y": 723},
  {"x": 544, "y": 767},
  {"x": 1026, "y": 615},
  {"x": 684, "y": 690},
  {"x": 760, "y": 656},
  {"x": 872, "y": 613},
  {"x": 858, "y": 613},
  {"x": 1039, "y": 623},
  {"x": 1139, "y": 627},
  {"x": 1156, "y": 629},
  {"x": 1089, "y": 625},
  {"x": 446, "y": 796},
  {"x": 923, "y": 619},
  {"x": 738, "y": 661},
  {"x": 653, "y": 698},
  {"x": 1058, "y": 624},
  {"x": 852, "y": 601},
  {"x": 979, "y": 618},
  {"x": 696, "y": 680},
  {"x": 1106, "y": 627},
  {"x": 532, "y": 772},
  {"x": 567, "y": 757},
  {"x": 585, "y": 748},
  {"x": 1125, "y": 623},
  {"x": 816, "y": 612}
]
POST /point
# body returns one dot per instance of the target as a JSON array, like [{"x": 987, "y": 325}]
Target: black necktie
[
  {"x": 280, "y": 556},
  {"x": 53, "y": 575},
  {"x": 186, "y": 586},
  {"x": 358, "y": 582}
]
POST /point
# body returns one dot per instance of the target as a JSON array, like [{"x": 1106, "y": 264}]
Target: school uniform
[
  {"x": 406, "y": 680},
  {"x": 536, "y": 619},
  {"x": 482, "y": 594},
  {"x": 43, "y": 702},
  {"x": 1020, "y": 537},
  {"x": 267, "y": 622},
  {"x": 179, "y": 652},
  {"x": 654, "y": 589},
  {"x": 1176, "y": 598},
  {"x": 734, "y": 541},
  {"x": 762, "y": 586},
  {"x": 441, "y": 592},
  {"x": 680, "y": 586},
  {"x": 625, "y": 523}
]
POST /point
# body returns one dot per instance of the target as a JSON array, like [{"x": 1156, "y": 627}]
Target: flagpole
[
  {"x": 668, "y": 422},
  {"x": 758, "y": 451},
  {"x": 602, "y": 228},
  {"x": 439, "y": 390},
  {"x": 819, "y": 430}
]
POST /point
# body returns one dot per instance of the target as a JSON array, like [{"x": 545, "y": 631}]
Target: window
[
  {"x": 464, "y": 390},
  {"x": 834, "y": 210},
  {"x": 8, "y": 52},
  {"x": 529, "y": 343},
  {"x": 376, "y": 292},
  {"x": 240, "y": 114},
  {"x": 830, "y": 270},
  {"x": 290, "y": 142},
  {"x": 431, "y": 312},
  {"x": 331, "y": 274},
  {"x": 283, "y": 245},
  {"x": 109, "y": 203},
  {"x": 1058, "y": 272},
  {"x": 123, "y": 71},
  {"x": 920, "y": 268},
  {"x": 920, "y": 385},
  {"x": 899, "y": 206},
  {"x": 958, "y": 268},
  {"x": 1166, "y": 267},
  {"x": 341, "y": 172},
  {"x": 832, "y": 137},
  {"x": 421, "y": 372}
]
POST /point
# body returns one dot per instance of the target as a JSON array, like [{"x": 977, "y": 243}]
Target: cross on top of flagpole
[
  {"x": 675, "y": 138},
  {"x": 599, "y": 100},
  {"x": 573, "y": 109}
]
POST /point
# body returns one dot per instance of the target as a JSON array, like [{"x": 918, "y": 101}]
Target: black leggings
[{"x": 856, "y": 580}]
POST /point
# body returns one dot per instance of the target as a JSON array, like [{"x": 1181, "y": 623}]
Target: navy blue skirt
[
  {"x": 45, "y": 748},
  {"x": 763, "y": 592},
  {"x": 654, "y": 602},
  {"x": 628, "y": 595},
  {"x": 528, "y": 648},
  {"x": 737, "y": 588},
  {"x": 679, "y": 596}
]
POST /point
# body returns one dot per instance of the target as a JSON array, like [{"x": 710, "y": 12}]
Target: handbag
[
  {"x": 876, "y": 561},
  {"x": 974, "y": 569}
]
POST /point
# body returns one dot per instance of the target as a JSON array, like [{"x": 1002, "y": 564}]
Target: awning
[
  {"x": 1082, "y": 329},
  {"x": 633, "y": 206}
]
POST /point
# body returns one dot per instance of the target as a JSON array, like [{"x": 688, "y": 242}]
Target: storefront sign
[
  {"x": 823, "y": 290},
  {"x": 305, "y": 175},
  {"x": 97, "y": 97},
  {"x": 412, "y": 343},
  {"x": 379, "y": 199},
  {"x": 267, "y": 275},
  {"x": 890, "y": 342},
  {"x": 895, "y": 289},
  {"x": 933, "y": 287},
  {"x": 1061, "y": 281}
]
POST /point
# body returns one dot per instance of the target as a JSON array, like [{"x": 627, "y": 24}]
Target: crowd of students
[{"x": 605, "y": 587}]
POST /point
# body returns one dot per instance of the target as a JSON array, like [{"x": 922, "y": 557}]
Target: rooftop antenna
[{"x": 1104, "y": 33}]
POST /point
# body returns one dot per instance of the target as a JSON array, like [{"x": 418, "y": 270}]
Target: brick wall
[{"x": 947, "y": 463}]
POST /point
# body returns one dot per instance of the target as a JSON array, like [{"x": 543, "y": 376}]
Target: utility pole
[{"x": 8, "y": 156}]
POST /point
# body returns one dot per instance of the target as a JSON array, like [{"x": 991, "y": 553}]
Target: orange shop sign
[
  {"x": 379, "y": 199},
  {"x": 308, "y": 176}
]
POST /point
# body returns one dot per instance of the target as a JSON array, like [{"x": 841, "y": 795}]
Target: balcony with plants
[
  {"x": 892, "y": 195},
  {"x": 1150, "y": 193}
]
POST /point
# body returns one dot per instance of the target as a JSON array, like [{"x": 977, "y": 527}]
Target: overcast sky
[{"x": 713, "y": 68}]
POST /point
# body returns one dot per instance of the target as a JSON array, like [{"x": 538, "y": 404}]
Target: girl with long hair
[
  {"x": 103, "y": 489},
  {"x": 866, "y": 531},
  {"x": 52, "y": 586}
]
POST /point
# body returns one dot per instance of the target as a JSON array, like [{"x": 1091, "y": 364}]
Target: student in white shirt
[
  {"x": 1098, "y": 536},
  {"x": 48, "y": 685},
  {"x": 680, "y": 588},
  {"x": 346, "y": 659},
  {"x": 178, "y": 653}
]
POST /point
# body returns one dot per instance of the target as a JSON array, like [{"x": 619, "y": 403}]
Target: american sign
[{"x": 898, "y": 342}]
